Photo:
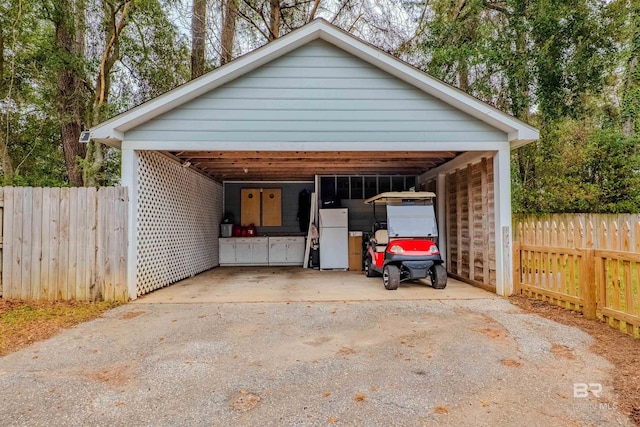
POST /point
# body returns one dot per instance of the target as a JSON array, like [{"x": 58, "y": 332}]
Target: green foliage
[
  {"x": 577, "y": 166},
  {"x": 568, "y": 67}
]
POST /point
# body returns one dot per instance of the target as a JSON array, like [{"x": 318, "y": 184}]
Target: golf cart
[{"x": 403, "y": 247}]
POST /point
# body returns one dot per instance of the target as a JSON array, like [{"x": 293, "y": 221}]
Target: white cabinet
[
  {"x": 244, "y": 251},
  {"x": 261, "y": 250},
  {"x": 227, "y": 250},
  {"x": 286, "y": 250}
]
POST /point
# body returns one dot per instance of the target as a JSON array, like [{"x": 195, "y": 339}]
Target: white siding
[
  {"x": 178, "y": 217},
  {"x": 317, "y": 93}
]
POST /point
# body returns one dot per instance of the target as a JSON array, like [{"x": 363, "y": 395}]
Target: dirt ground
[
  {"x": 621, "y": 350},
  {"x": 23, "y": 323}
]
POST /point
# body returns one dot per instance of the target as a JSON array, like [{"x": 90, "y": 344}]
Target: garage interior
[{"x": 202, "y": 187}]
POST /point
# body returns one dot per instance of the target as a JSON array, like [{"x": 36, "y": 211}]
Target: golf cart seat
[{"x": 382, "y": 240}]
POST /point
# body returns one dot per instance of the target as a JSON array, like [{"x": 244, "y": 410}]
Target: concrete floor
[{"x": 292, "y": 284}]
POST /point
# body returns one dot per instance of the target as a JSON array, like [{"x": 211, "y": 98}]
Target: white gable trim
[{"x": 112, "y": 131}]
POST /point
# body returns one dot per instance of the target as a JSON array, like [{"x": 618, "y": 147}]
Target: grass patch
[{"x": 25, "y": 322}]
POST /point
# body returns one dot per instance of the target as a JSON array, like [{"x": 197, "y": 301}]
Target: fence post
[
  {"x": 517, "y": 269},
  {"x": 588, "y": 282}
]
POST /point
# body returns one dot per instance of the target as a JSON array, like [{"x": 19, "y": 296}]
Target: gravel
[{"x": 391, "y": 363}]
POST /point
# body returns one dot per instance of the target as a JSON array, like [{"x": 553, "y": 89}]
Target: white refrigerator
[{"x": 334, "y": 239}]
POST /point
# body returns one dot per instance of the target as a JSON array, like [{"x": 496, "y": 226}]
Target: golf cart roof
[{"x": 400, "y": 195}]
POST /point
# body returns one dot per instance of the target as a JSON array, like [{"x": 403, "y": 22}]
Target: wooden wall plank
[
  {"x": 16, "y": 280},
  {"x": 54, "y": 244},
  {"x": 63, "y": 245},
  {"x": 7, "y": 243},
  {"x": 81, "y": 245},
  {"x": 121, "y": 244},
  {"x": 459, "y": 260},
  {"x": 45, "y": 244},
  {"x": 36, "y": 283},
  {"x": 27, "y": 213},
  {"x": 1, "y": 234},
  {"x": 72, "y": 257},
  {"x": 90, "y": 266},
  {"x": 99, "y": 273}
]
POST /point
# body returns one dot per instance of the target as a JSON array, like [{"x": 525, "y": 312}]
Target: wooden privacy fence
[
  {"x": 558, "y": 262},
  {"x": 64, "y": 243}
]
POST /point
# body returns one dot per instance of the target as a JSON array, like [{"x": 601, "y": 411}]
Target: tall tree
[
  {"x": 198, "y": 37},
  {"x": 69, "y": 20},
  {"x": 228, "y": 32},
  {"x": 631, "y": 86}
]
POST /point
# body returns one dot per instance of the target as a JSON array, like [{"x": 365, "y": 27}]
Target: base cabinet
[
  {"x": 241, "y": 251},
  {"x": 261, "y": 250},
  {"x": 286, "y": 250}
]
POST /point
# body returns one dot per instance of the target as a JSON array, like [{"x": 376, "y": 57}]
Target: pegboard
[{"x": 178, "y": 217}]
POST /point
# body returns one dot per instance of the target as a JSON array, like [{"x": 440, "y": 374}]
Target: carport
[{"x": 316, "y": 102}]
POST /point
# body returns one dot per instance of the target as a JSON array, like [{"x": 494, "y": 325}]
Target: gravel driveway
[{"x": 384, "y": 363}]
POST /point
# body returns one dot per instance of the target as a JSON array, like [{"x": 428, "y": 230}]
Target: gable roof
[{"x": 112, "y": 131}]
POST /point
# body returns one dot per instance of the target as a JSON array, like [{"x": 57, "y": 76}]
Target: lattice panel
[{"x": 179, "y": 212}]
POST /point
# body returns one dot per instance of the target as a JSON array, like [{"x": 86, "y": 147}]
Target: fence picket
[
  {"x": 16, "y": 279},
  {"x": 7, "y": 248},
  {"x": 36, "y": 245}
]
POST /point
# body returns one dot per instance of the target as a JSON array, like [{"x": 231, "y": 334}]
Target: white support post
[
  {"x": 130, "y": 180},
  {"x": 502, "y": 206},
  {"x": 442, "y": 214}
]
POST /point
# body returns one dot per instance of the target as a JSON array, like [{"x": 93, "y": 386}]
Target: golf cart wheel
[
  {"x": 438, "y": 276},
  {"x": 391, "y": 277},
  {"x": 368, "y": 271}
]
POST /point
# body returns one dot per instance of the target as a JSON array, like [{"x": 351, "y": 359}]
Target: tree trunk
[
  {"x": 69, "y": 31},
  {"x": 274, "y": 20},
  {"x": 228, "y": 32},
  {"x": 198, "y": 29},
  {"x": 463, "y": 75}
]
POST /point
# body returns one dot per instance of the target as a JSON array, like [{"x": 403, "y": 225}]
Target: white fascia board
[
  {"x": 516, "y": 129},
  {"x": 312, "y": 146},
  {"x": 108, "y": 136}
]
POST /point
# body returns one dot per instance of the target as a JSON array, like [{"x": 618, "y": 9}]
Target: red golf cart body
[{"x": 404, "y": 247}]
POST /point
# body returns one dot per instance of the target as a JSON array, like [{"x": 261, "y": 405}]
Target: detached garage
[{"x": 315, "y": 109}]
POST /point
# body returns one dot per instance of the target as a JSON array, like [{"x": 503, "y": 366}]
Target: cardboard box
[{"x": 355, "y": 251}]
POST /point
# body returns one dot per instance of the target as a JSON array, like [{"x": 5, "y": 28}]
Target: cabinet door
[
  {"x": 260, "y": 252},
  {"x": 250, "y": 206},
  {"x": 295, "y": 251},
  {"x": 277, "y": 251},
  {"x": 243, "y": 251},
  {"x": 227, "y": 251}
]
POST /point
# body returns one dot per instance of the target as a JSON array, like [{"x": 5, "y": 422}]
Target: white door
[
  {"x": 260, "y": 252},
  {"x": 277, "y": 251},
  {"x": 295, "y": 250},
  {"x": 243, "y": 251},
  {"x": 334, "y": 217},
  {"x": 227, "y": 253},
  {"x": 334, "y": 248}
]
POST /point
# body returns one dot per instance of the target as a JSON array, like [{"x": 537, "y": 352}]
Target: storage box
[
  {"x": 226, "y": 230},
  {"x": 355, "y": 251}
]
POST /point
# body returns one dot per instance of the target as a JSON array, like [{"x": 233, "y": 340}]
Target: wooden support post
[
  {"x": 588, "y": 281},
  {"x": 517, "y": 269}
]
